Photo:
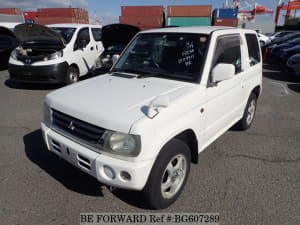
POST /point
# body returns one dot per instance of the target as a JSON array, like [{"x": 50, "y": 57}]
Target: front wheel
[
  {"x": 249, "y": 113},
  {"x": 72, "y": 75},
  {"x": 168, "y": 175}
]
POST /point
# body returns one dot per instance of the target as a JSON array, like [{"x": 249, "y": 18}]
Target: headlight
[
  {"x": 121, "y": 143},
  {"x": 14, "y": 54},
  {"x": 55, "y": 55},
  {"x": 47, "y": 114}
]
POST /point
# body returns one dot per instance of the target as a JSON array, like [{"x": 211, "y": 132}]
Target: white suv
[{"x": 172, "y": 92}]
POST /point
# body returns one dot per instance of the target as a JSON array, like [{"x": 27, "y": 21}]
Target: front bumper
[
  {"x": 96, "y": 164},
  {"x": 54, "y": 73}
]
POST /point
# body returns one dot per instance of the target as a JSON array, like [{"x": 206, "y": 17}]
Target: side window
[
  {"x": 83, "y": 39},
  {"x": 253, "y": 49},
  {"x": 228, "y": 50},
  {"x": 97, "y": 32}
]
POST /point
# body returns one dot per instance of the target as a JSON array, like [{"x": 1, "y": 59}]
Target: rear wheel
[
  {"x": 72, "y": 75},
  {"x": 249, "y": 113},
  {"x": 168, "y": 175}
]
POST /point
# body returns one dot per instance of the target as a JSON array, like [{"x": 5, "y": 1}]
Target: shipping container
[
  {"x": 225, "y": 13},
  {"x": 188, "y": 21},
  {"x": 142, "y": 11},
  {"x": 30, "y": 15},
  {"x": 55, "y": 20},
  {"x": 29, "y": 21},
  {"x": 226, "y": 22},
  {"x": 63, "y": 12},
  {"x": 190, "y": 11},
  {"x": 148, "y": 28},
  {"x": 10, "y": 11},
  {"x": 146, "y": 21}
]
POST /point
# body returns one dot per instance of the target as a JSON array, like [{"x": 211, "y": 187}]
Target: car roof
[
  {"x": 73, "y": 25},
  {"x": 197, "y": 29}
]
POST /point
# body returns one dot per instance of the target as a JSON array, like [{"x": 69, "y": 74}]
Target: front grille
[{"x": 77, "y": 128}]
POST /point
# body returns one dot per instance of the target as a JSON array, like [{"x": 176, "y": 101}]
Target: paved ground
[{"x": 248, "y": 177}]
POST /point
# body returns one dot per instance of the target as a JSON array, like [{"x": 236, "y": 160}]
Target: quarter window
[
  {"x": 253, "y": 49},
  {"x": 228, "y": 50},
  {"x": 97, "y": 32}
]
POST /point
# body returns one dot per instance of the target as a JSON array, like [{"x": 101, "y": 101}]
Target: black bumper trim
[{"x": 54, "y": 73}]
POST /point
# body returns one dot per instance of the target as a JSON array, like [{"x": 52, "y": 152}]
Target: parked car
[
  {"x": 8, "y": 43},
  {"x": 287, "y": 53},
  {"x": 58, "y": 53},
  {"x": 268, "y": 47},
  {"x": 275, "y": 52},
  {"x": 141, "y": 125},
  {"x": 115, "y": 37},
  {"x": 263, "y": 39},
  {"x": 293, "y": 64},
  {"x": 279, "y": 34}
]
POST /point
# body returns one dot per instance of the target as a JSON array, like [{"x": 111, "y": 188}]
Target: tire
[
  {"x": 72, "y": 75},
  {"x": 163, "y": 188},
  {"x": 249, "y": 113}
]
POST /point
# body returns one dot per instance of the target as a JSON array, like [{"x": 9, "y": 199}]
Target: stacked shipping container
[
  {"x": 144, "y": 17},
  {"x": 190, "y": 15},
  {"x": 61, "y": 15},
  {"x": 225, "y": 17},
  {"x": 10, "y": 11}
]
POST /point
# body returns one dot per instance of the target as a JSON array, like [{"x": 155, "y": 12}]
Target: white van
[{"x": 58, "y": 53}]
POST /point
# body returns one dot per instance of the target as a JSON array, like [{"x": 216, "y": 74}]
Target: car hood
[
  {"x": 112, "y": 102},
  {"x": 30, "y": 34},
  {"x": 118, "y": 34}
]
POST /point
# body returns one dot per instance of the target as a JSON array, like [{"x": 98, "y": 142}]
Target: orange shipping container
[
  {"x": 10, "y": 11},
  {"x": 145, "y": 21},
  {"x": 54, "y": 20},
  {"x": 189, "y": 11},
  {"x": 142, "y": 11}
]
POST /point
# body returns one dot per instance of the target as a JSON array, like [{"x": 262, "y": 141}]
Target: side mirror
[
  {"x": 222, "y": 71},
  {"x": 115, "y": 58}
]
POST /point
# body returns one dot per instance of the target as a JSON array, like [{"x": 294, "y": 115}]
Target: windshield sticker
[{"x": 187, "y": 55}]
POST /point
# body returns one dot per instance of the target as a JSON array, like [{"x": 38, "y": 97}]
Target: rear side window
[
  {"x": 253, "y": 49},
  {"x": 228, "y": 50},
  {"x": 97, "y": 33},
  {"x": 84, "y": 35}
]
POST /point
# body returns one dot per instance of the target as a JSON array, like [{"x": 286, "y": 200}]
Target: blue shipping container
[
  {"x": 225, "y": 13},
  {"x": 28, "y": 21}
]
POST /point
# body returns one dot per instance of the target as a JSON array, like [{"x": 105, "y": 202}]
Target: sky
[{"x": 108, "y": 11}]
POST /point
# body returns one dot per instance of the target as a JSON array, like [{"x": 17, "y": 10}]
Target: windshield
[
  {"x": 65, "y": 32},
  {"x": 176, "y": 56}
]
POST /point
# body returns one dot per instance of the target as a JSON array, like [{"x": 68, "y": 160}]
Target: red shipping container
[
  {"x": 57, "y": 12},
  {"x": 189, "y": 11},
  {"x": 226, "y": 22},
  {"x": 145, "y": 21},
  {"x": 30, "y": 15},
  {"x": 142, "y": 11},
  {"x": 10, "y": 11},
  {"x": 54, "y": 20},
  {"x": 149, "y": 28}
]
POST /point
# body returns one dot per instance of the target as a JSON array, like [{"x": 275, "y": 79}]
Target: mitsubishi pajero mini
[{"x": 170, "y": 94}]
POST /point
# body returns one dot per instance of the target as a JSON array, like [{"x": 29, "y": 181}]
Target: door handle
[{"x": 92, "y": 48}]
